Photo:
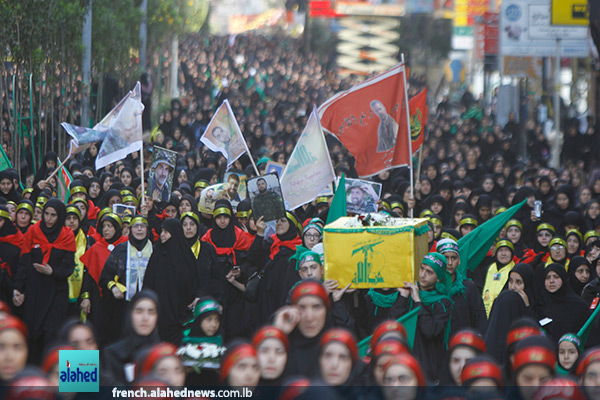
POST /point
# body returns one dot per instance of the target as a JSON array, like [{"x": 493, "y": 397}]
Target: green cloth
[
  {"x": 338, "y": 204},
  {"x": 218, "y": 339},
  {"x": 303, "y": 254},
  {"x": 585, "y": 330},
  {"x": 561, "y": 371},
  {"x": 475, "y": 245},
  {"x": 409, "y": 320},
  {"x": 382, "y": 300}
]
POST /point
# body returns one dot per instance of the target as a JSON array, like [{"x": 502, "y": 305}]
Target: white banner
[
  {"x": 223, "y": 135},
  {"x": 309, "y": 169},
  {"x": 120, "y": 131}
]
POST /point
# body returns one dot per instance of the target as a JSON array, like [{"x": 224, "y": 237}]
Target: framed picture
[
  {"x": 122, "y": 210},
  {"x": 209, "y": 197},
  {"x": 160, "y": 182},
  {"x": 362, "y": 196},
  {"x": 235, "y": 187},
  {"x": 276, "y": 167},
  {"x": 265, "y": 197}
]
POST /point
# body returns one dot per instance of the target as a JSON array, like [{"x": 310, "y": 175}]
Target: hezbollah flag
[
  {"x": 370, "y": 119},
  {"x": 418, "y": 119}
]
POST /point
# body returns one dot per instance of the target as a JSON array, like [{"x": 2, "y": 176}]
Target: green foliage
[
  {"x": 115, "y": 33},
  {"x": 37, "y": 31}
]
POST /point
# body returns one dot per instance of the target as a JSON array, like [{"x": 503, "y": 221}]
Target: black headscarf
[
  {"x": 9, "y": 227},
  {"x": 293, "y": 231},
  {"x": 118, "y": 229},
  {"x": 94, "y": 179},
  {"x": 567, "y": 310},
  {"x": 526, "y": 273},
  {"x": 507, "y": 308},
  {"x": 12, "y": 194},
  {"x": 575, "y": 263},
  {"x": 53, "y": 232},
  {"x": 103, "y": 203},
  {"x": 224, "y": 238},
  {"x": 193, "y": 239},
  {"x": 172, "y": 272}
]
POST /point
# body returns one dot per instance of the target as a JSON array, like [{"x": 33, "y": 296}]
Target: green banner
[{"x": 409, "y": 320}]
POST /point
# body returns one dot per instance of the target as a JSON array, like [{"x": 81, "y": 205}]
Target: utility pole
[
  {"x": 143, "y": 35},
  {"x": 87, "y": 64}
]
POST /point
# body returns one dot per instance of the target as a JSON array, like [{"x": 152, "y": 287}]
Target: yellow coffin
[{"x": 375, "y": 257}]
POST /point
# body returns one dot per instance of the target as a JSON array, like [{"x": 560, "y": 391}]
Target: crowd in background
[{"x": 79, "y": 276}]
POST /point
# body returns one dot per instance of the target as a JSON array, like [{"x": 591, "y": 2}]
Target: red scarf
[
  {"x": 92, "y": 211},
  {"x": 243, "y": 241},
  {"x": 17, "y": 240},
  {"x": 95, "y": 257},
  {"x": 278, "y": 244},
  {"x": 36, "y": 238}
]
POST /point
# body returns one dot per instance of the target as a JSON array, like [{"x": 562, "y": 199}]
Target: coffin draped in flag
[
  {"x": 309, "y": 168},
  {"x": 223, "y": 134},
  {"x": 371, "y": 120},
  {"x": 418, "y": 119},
  {"x": 120, "y": 131}
]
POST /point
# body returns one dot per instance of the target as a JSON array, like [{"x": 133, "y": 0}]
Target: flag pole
[
  {"x": 142, "y": 173},
  {"x": 251, "y": 159},
  {"x": 58, "y": 168},
  {"x": 410, "y": 153}
]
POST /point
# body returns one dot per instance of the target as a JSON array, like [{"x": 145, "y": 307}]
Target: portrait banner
[
  {"x": 309, "y": 168},
  {"x": 371, "y": 120},
  {"x": 234, "y": 187},
  {"x": 362, "y": 196},
  {"x": 162, "y": 170},
  {"x": 418, "y": 119},
  {"x": 120, "y": 131},
  {"x": 209, "y": 197},
  {"x": 223, "y": 134},
  {"x": 265, "y": 197}
]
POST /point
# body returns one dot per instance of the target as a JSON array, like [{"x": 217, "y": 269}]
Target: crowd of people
[{"x": 77, "y": 275}]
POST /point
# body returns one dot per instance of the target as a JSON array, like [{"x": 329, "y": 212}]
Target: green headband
[
  {"x": 438, "y": 263},
  {"x": 303, "y": 255},
  {"x": 571, "y": 337}
]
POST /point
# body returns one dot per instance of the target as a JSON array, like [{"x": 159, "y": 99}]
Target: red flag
[
  {"x": 418, "y": 118},
  {"x": 370, "y": 119}
]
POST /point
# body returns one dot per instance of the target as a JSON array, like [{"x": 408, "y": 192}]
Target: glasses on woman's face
[{"x": 311, "y": 236}]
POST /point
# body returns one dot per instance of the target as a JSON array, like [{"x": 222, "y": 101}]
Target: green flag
[
  {"x": 338, "y": 204},
  {"x": 474, "y": 246},
  {"x": 4, "y": 161},
  {"x": 585, "y": 330},
  {"x": 409, "y": 320}
]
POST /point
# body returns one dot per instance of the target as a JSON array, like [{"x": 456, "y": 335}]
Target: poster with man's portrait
[
  {"x": 362, "y": 196},
  {"x": 209, "y": 197},
  {"x": 265, "y": 197},
  {"x": 234, "y": 187},
  {"x": 160, "y": 182},
  {"x": 223, "y": 134}
]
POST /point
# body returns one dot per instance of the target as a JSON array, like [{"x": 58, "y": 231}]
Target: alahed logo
[{"x": 79, "y": 371}]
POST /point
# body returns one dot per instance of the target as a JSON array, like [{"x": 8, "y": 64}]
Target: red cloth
[
  {"x": 95, "y": 257},
  {"x": 36, "y": 238},
  {"x": 278, "y": 244},
  {"x": 92, "y": 211},
  {"x": 243, "y": 241},
  {"x": 17, "y": 240},
  {"x": 93, "y": 233},
  {"x": 418, "y": 118}
]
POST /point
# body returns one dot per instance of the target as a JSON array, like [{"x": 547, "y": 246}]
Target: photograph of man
[
  {"x": 388, "y": 127},
  {"x": 265, "y": 200},
  {"x": 161, "y": 176},
  {"x": 231, "y": 188},
  {"x": 360, "y": 197},
  {"x": 223, "y": 138}
]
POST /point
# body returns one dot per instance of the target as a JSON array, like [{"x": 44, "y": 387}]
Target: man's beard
[{"x": 262, "y": 191}]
